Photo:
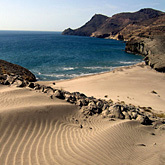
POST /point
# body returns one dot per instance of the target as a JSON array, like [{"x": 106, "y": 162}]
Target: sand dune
[
  {"x": 35, "y": 129},
  {"x": 131, "y": 84}
]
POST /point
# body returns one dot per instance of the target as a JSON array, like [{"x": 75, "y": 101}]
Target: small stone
[
  {"x": 141, "y": 145},
  {"x": 31, "y": 85},
  {"x": 81, "y": 126},
  {"x": 77, "y": 121},
  {"x": 152, "y": 133},
  {"x": 54, "y": 83},
  {"x": 154, "y": 92},
  {"x": 111, "y": 119}
]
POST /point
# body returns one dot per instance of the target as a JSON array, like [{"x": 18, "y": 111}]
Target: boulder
[
  {"x": 127, "y": 116},
  {"x": 58, "y": 94},
  {"x": 117, "y": 112},
  {"x": 144, "y": 120},
  {"x": 19, "y": 83},
  {"x": 31, "y": 85},
  {"x": 99, "y": 104}
]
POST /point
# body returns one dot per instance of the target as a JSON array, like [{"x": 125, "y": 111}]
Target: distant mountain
[
  {"x": 91, "y": 26},
  {"x": 117, "y": 25},
  {"x": 137, "y": 28}
]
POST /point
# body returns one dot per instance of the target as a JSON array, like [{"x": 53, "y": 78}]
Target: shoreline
[
  {"x": 94, "y": 74},
  {"x": 132, "y": 84}
]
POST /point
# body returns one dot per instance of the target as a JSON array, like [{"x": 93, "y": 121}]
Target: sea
[{"x": 53, "y": 56}]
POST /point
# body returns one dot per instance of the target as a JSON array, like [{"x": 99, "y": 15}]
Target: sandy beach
[
  {"x": 132, "y": 84},
  {"x": 38, "y": 130}
]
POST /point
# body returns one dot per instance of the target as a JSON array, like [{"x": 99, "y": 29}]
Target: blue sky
[{"x": 57, "y": 15}]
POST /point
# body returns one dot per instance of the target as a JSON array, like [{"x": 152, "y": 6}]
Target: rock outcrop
[
  {"x": 151, "y": 48},
  {"x": 144, "y": 32},
  {"x": 9, "y": 71}
]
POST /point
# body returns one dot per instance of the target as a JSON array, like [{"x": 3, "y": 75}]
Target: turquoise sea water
[{"x": 52, "y": 56}]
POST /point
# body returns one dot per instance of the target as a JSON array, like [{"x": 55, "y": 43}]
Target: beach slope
[{"x": 35, "y": 129}]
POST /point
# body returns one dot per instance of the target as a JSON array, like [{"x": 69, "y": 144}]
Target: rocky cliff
[
  {"x": 151, "y": 48},
  {"x": 143, "y": 30}
]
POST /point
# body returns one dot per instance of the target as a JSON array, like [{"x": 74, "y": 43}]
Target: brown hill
[
  {"x": 103, "y": 26},
  {"x": 89, "y": 27},
  {"x": 13, "y": 69}
]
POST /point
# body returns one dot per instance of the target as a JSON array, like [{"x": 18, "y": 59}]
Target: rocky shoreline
[{"x": 151, "y": 48}]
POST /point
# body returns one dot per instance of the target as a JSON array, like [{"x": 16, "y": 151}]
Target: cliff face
[
  {"x": 143, "y": 30},
  {"x": 151, "y": 48}
]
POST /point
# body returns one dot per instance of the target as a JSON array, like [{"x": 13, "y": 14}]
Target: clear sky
[{"x": 57, "y": 15}]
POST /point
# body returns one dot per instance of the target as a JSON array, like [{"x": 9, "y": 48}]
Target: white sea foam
[
  {"x": 68, "y": 68},
  {"x": 98, "y": 68},
  {"x": 128, "y": 62}
]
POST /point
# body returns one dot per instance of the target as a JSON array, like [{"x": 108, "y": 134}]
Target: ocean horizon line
[{"x": 29, "y": 31}]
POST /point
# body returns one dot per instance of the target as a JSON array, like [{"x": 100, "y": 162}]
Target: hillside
[
  {"x": 7, "y": 68},
  {"x": 91, "y": 26}
]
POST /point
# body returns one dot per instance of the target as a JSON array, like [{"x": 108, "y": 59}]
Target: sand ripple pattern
[{"x": 50, "y": 134}]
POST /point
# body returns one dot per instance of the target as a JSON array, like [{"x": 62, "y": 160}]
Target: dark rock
[
  {"x": 144, "y": 120},
  {"x": 154, "y": 92},
  {"x": 31, "y": 85},
  {"x": 143, "y": 145},
  {"x": 152, "y": 133},
  {"x": 59, "y": 94},
  {"x": 81, "y": 126},
  {"x": 6, "y": 82}
]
